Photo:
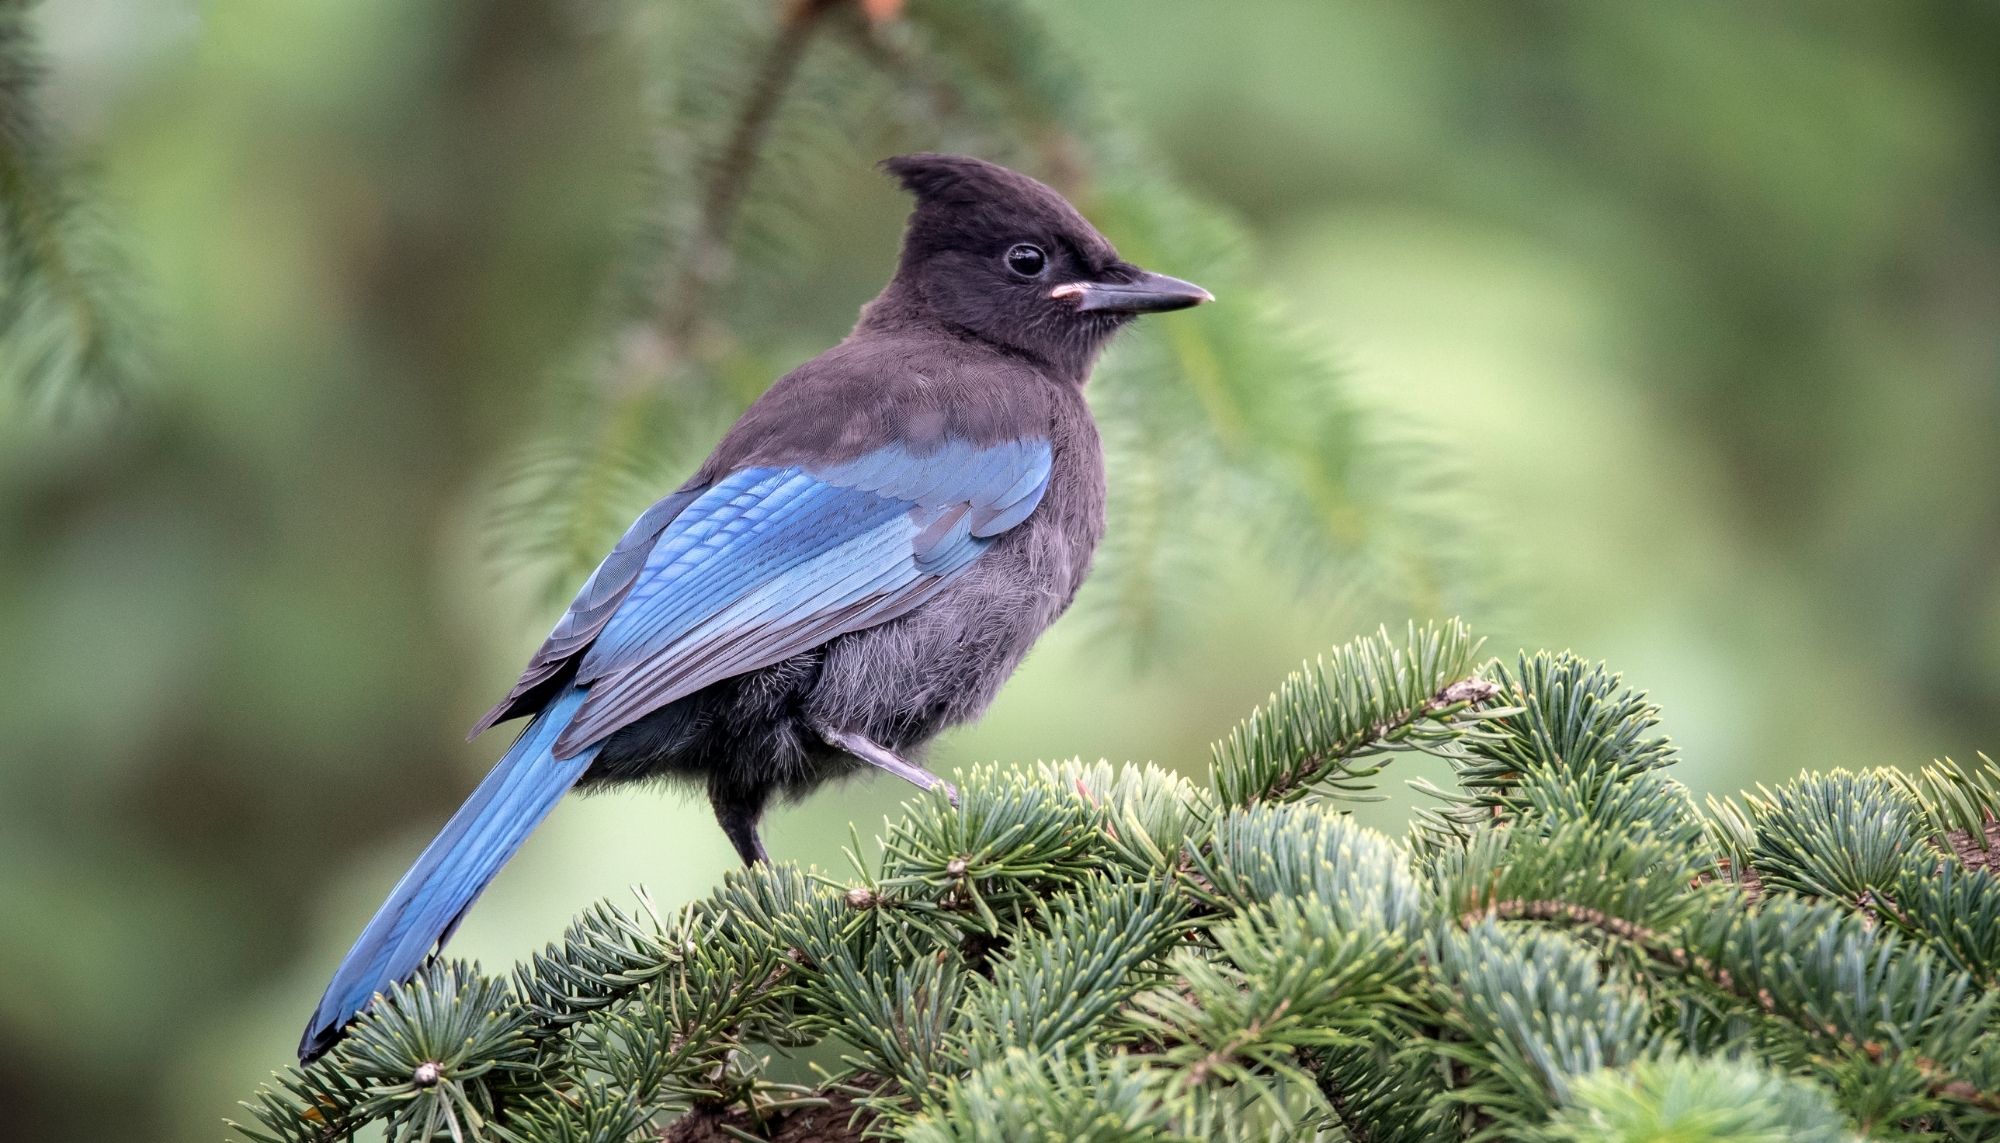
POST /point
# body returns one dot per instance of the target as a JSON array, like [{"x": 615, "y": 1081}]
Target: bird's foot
[{"x": 881, "y": 757}]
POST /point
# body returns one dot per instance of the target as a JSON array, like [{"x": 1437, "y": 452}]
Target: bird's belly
[
  {"x": 904, "y": 681},
  {"x": 900, "y": 683}
]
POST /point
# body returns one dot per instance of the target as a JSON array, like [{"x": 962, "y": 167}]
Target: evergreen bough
[
  {"x": 68, "y": 341},
  {"x": 1567, "y": 947}
]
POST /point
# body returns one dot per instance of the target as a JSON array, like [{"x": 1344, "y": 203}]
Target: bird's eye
[{"x": 1026, "y": 259}]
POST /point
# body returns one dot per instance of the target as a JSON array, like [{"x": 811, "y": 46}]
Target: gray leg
[
  {"x": 866, "y": 749},
  {"x": 739, "y": 823}
]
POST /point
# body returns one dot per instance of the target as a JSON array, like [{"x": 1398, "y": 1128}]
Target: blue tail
[{"x": 428, "y": 902}]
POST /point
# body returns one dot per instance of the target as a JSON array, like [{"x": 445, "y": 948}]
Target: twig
[
  {"x": 1464, "y": 694},
  {"x": 722, "y": 197}
]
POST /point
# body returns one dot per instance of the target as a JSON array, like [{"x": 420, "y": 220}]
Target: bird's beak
[{"x": 1149, "y": 293}]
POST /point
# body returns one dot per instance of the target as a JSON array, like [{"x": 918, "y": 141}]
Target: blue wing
[
  {"x": 771, "y": 561},
  {"x": 592, "y": 609}
]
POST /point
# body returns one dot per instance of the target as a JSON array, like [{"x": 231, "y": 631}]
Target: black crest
[
  {"x": 971, "y": 216},
  {"x": 969, "y": 203}
]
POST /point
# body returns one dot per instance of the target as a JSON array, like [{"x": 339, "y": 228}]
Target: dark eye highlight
[{"x": 1026, "y": 259}]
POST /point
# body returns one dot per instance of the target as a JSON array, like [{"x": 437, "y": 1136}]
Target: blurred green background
[{"x": 1701, "y": 301}]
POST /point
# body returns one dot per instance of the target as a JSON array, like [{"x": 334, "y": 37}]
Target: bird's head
[{"x": 1003, "y": 257}]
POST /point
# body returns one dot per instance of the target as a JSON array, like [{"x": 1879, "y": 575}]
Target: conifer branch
[
  {"x": 729, "y": 177},
  {"x": 66, "y": 330},
  {"x": 1664, "y": 950},
  {"x": 1106, "y": 953},
  {"x": 1961, "y": 803},
  {"x": 1374, "y": 695}
]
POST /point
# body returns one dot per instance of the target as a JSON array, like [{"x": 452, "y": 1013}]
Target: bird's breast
[
  {"x": 941, "y": 664},
  {"x": 1073, "y": 507}
]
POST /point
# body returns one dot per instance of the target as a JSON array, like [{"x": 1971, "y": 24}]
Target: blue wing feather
[
  {"x": 770, "y": 561},
  {"x": 595, "y": 603},
  {"x": 756, "y": 526},
  {"x": 773, "y": 561},
  {"x": 458, "y": 864}
]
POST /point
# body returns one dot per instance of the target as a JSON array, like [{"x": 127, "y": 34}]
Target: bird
[{"x": 860, "y": 564}]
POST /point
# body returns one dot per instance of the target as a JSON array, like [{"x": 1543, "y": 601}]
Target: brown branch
[
  {"x": 729, "y": 179},
  {"x": 1977, "y": 850},
  {"x": 1358, "y": 1130},
  {"x": 1056, "y": 149},
  {"x": 829, "y": 1117},
  {"x": 1197, "y": 1073}
]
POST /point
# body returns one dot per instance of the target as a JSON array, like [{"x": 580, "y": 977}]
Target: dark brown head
[{"x": 998, "y": 255}]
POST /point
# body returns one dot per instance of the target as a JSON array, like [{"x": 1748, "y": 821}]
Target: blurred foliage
[
  {"x": 1201, "y": 416},
  {"x": 1678, "y": 315},
  {"x": 60, "y": 320}
]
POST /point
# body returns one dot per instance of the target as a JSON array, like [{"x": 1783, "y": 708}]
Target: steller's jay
[{"x": 858, "y": 566}]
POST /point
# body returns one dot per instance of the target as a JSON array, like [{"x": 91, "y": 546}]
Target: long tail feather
[{"x": 457, "y": 865}]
